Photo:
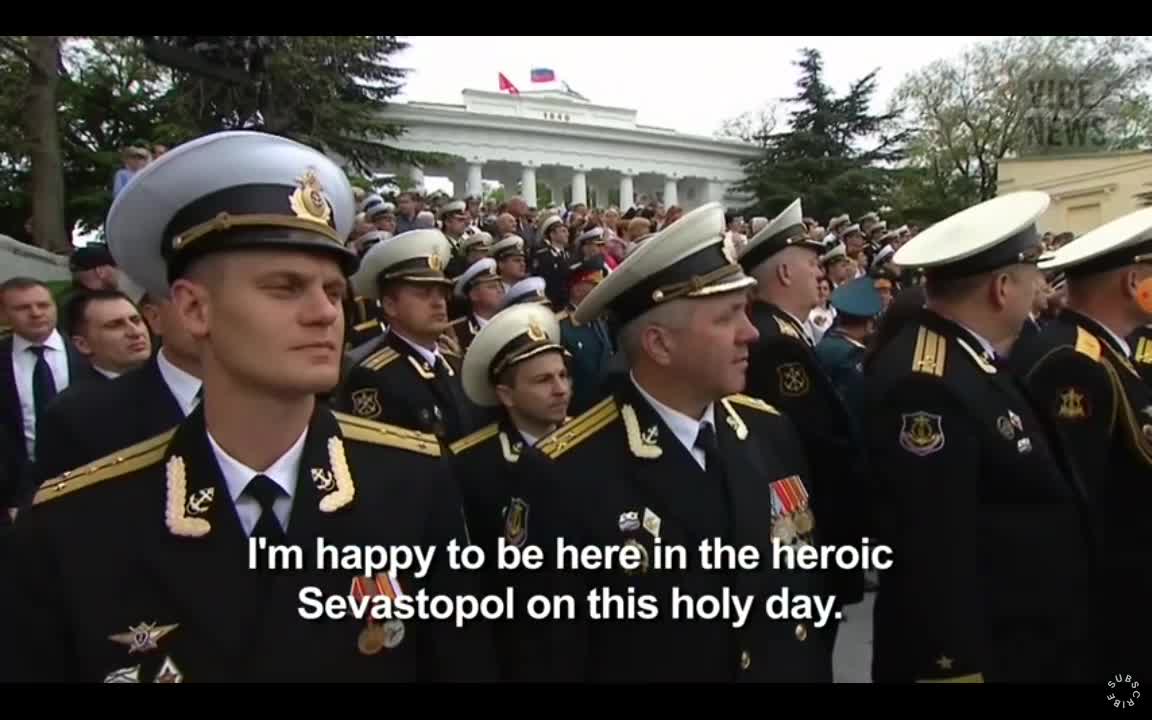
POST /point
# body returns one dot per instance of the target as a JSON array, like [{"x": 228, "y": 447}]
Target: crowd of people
[{"x": 312, "y": 360}]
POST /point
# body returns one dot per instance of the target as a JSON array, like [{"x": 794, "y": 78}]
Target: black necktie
[
  {"x": 265, "y": 491},
  {"x": 43, "y": 383},
  {"x": 706, "y": 441}
]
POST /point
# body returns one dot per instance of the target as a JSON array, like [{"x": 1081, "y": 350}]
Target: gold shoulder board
[
  {"x": 749, "y": 401},
  {"x": 786, "y": 328},
  {"x": 1143, "y": 354},
  {"x": 571, "y": 434},
  {"x": 365, "y": 325},
  {"x": 931, "y": 349},
  {"x": 971, "y": 678},
  {"x": 1087, "y": 343},
  {"x": 474, "y": 439},
  {"x": 377, "y": 433},
  {"x": 122, "y": 462},
  {"x": 379, "y": 359}
]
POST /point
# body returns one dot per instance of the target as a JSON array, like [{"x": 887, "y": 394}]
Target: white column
[
  {"x": 716, "y": 190},
  {"x": 528, "y": 185},
  {"x": 670, "y": 198},
  {"x": 627, "y": 192},
  {"x": 579, "y": 188},
  {"x": 475, "y": 179},
  {"x": 417, "y": 176}
]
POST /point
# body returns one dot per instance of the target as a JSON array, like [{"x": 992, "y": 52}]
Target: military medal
[
  {"x": 785, "y": 504},
  {"x": 374, "y": 638}
]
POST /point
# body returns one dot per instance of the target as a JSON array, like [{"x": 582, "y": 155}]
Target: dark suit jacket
[
  {"x": 150, "y": 540},
  {"x": 12, "y": 419},
  {"x": 90, "y": 421}
]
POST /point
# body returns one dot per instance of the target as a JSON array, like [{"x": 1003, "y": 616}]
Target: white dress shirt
[
  {"x": 106, "y": 373},
  {"x": 237, "y": 475},
  {"x": 182, "y": 385},
  {"x": 430, "y": 356},
  {"x": 529, "y": 440},
  {"x": 23, "y": 365},
  {"x": 802, "y": 325},
  {"x": 685, "y": 428},
  {"x": 988, "y": 348}
]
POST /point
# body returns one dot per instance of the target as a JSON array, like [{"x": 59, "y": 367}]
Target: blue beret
[{"x": 858, "y": 298}]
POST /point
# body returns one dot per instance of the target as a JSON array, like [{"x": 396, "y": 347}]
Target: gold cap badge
[{"x": 308, "y": 201}]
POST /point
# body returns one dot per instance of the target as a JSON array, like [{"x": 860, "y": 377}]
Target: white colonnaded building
[{"x": 580, "y": 151}]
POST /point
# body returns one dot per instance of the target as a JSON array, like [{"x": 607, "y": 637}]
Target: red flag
[{"x": 506, "y": 84}]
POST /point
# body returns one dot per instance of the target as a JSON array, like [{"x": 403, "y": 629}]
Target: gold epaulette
[
  {"x": 1087, "y": 344},
  {"x": 970, "y": 678},
  {"x": 931, "y": 349},
  {"x": 365, "y": 325},
  {"x": 787, "y": 329},
  {"x": 474, "y": 439},
  {"x": 1143, "y": 354},
  {"x": 119, "y": 463},
  {"x": 377, "y": 433},
  {"x": 380, "y": 358},
  {"x": 749, "y": 401},
  {"x": 571, "y": 434}
]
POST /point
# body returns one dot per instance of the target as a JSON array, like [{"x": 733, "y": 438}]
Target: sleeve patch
[{"x": 921, "y": 433}]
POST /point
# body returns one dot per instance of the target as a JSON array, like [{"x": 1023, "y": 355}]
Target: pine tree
[{"x": 820, "y": 158}]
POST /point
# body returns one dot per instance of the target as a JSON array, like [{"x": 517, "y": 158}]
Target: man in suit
[
  {"x": 36, "y": 363},
  {"x": 82, "y": 426},
  {"x": 517, "y": 367},
  {"x": 1078, "y": 372},
  {"x": 783, "y": 370},
  {"x": 108, "y": 329},
  {"x": 139, "y": 569},
  {"x": 676, "y": 456},
  {"x": 991, "y": 569},
  {"x": 405, "y": 378}
]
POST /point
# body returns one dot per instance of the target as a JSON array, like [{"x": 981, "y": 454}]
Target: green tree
[
  {"x": 1024, "y": 96},
  {"x": 835, "y": 155}
]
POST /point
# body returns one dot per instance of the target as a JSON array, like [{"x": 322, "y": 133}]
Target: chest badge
[
  {"x": 921, "y": 433},
  {"x": 142, "y": 637}
]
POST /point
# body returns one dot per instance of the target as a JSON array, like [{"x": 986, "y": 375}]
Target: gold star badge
[
  {"x": 944, "y": 662},
  {"x": 142, "y": 637}
]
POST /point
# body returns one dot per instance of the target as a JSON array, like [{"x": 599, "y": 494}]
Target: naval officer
[
  {"x": 676, "y": 454},
  {"x": 137, "y": 568},
  {"x": 1079, "y": 374},
  {"x": 407, "y": 378},
  {"x": 990, "y": 577}
]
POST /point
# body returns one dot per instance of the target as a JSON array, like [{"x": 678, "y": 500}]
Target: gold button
[
  {"x": 801, "y": 632},
  {"x": 745, "y": 660}
]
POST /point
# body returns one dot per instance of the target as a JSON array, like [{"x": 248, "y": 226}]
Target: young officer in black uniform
[
  {"x": 677, "y": 453},
  {"x": 406, "y": 378},
  {"x": 138, "y": 569},
  {"x": 1079, "y": 375},
  {"x": 990, "y": 576},
  {"x": 516, "y": 366},
  {"x": 783, "y": 370}
]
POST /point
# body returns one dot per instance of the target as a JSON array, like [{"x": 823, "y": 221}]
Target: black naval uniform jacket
[
  {"x": 552, "y": 264},
  {"x": 1141, "y": 342},
  {"x": 362, "y": 321},
  {"x": 991, "y": 566},
  {"x": 1082, "y": 384},
  {"x": 499, "y": 491},
  {"x": 620, "y": 478},
  {"x": 466, "y": 329},
  {"x": 394, "y": 384},
  {"x": 139, "y": 571},
  {"x": 97, "y": 419},
  {"x": 784, "y": 371}
]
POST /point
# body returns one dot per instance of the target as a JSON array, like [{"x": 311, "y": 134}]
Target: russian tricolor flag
[{"x": 540, "y": 75}]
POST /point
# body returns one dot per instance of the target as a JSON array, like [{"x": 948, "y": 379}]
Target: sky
[{"x": 688, "y": 84}]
